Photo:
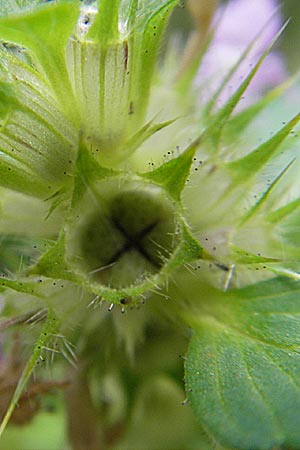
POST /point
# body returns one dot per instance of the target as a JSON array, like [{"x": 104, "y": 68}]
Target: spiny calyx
[{"x": 123, "y": 235}]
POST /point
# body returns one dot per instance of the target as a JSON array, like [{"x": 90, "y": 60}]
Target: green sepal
[
  {"x": 172, "y": 175},
  {"x": 45, "y": 32},
  {"x": 88, "y": 171},
  {"x": 243, "y": 363},
  {"x": 105, "y": 27},
  {"x": 52, "y": 263},
  {"x": 189, "y": 250},
  {"x": 132, "y": 13},
  {"x": 17, "y": 179},
  {"x": 32, "y": 125},
  {"x": 24, "y": 286},
  {"x": 144, "y": 45},
  {"x": 56, "y": 199},
  {"x": 8, "y": 99},
  {"x": 143, "y": 134}
]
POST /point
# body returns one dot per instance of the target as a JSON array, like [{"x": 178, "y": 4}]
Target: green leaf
[
  {"x": 243, "y": 363},
  {"x": 49, "y": 330}
]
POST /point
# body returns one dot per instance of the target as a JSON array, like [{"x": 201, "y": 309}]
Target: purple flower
[{"x": 239, "y": 23}]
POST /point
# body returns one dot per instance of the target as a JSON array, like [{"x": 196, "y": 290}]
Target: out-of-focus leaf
[{"x": 243, "y": 363}]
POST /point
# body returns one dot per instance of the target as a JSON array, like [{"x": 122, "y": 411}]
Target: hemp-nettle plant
[{"x": 149, "y": 230}]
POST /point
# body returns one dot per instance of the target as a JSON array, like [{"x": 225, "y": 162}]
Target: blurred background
[
  {"x": 289, "y": 43},
  {"x": 291, "y": 40}
]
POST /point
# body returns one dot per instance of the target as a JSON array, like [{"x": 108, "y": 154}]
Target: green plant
[{"x": 125, "y": 234}]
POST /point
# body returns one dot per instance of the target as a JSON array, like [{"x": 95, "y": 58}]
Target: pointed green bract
[
  {"x": 145, "y": 133},
  {"x": 50, "y": 329},
  {"x": 240, "y": 121},
  {"x": 249, "y": 165},
  {"x": 281, "y": 213},
  {"x": 52, "y": 264},
  {"x": 212, "y": 102},
  {"x": 188, "y": 251},
  {"x": 174, "y": 174},
  {"x": 261, "y": 201},
  {"x": 245, "y": 257},
  {"x": 88, "y": 171},
  {"x": 216, "y": 95},
  {"x": 242, "y": 366},
  {"x": 220, "y": 118},
  {"x": 26, "y": 287}
]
